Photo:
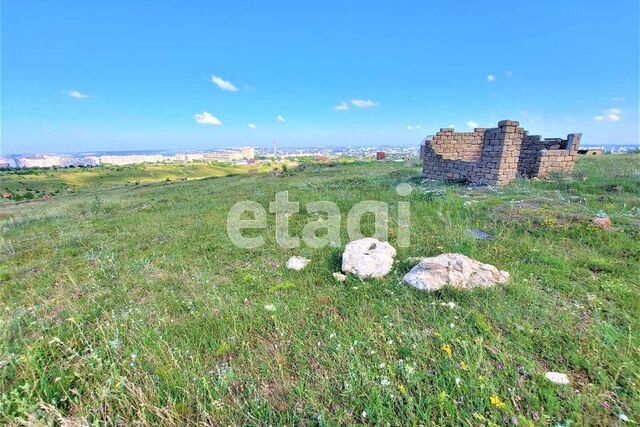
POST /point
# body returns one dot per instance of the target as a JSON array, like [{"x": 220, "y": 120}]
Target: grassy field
[
  {"x": 35, "y": 183},
  {"x": 131, "y": 306}
]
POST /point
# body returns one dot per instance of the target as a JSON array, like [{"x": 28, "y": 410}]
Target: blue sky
[{"x": 117, "y": 75}]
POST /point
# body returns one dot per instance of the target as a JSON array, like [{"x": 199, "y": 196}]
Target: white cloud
[
  {"x": 491, "y": 78},
  {"x": 412, "y": 127},
  {"x": 610, "y": 115},
  {"x": 75, "y": 94},
  {"x": 252, "y": 126},
  {"x": 342, "y": 106},
  {"x": 472, "y": 124},
  {"x": 223, "y": 84},
  {"x": 281, "y": 119},
  {"x": 206, "y": 118},
  {"x": 363, "y": 103},
  {"x": 409, "y": 127},
  {"x": 452, "y": 126}
]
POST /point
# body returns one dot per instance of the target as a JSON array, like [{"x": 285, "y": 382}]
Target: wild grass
[
  {"x": 130, "y": 305},
  {"x": 35, "y": 183}
]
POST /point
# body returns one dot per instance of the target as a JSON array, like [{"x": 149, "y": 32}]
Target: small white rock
[
  {"x": 339, "y": 277},
  {"x": 451, "y": 305},
  {"x": 297, "y": 263},
  {"x": 557, "y": 377}
]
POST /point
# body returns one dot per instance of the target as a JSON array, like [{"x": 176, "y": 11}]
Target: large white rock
[
  {"x": 297, "y": 263},
  {"x": 455, "y": 270},
  {"x": 368, "y": 258}
]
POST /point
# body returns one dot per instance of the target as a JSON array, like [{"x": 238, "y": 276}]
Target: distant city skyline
[
  {"x": 288, "y": 148},
  {"x": 180, "y": 76},
  {"x": 243, "y": 155}
]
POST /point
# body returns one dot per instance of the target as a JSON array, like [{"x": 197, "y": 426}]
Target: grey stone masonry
[{"x": 496, "y": 156}]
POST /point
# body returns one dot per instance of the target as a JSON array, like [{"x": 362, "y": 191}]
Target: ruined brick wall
[
  {"x": 500, "y": 154},
  {"x": 495, "y": 156},
  {"x": 528, "y": 161},
  {"x": 452, "y": 155},
  {"x": 485, "y": 156},
  {"x": 452, "y": 145},
  {"x": 559, "y": 155},
  {"x": 562, "y": 160}
]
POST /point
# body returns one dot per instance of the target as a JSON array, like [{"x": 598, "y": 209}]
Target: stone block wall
[
  {"x": 495, "y": 156},
  {"x": 540, "y": 157},
  {"x": 559, "y": 160}
]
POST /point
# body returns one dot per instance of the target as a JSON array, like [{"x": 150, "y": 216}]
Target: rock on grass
[
  {"x": 601, "y": 222},
  {"x": 455, "y": 270},
  {"x": 297, "y": 263},
  {"x": 368, "y": 258},
  {"x": 557, "y": 377},
  {"x": 339, "y": 277}
]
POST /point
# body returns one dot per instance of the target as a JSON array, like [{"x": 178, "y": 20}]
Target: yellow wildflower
[
  {"x": 403, "y": 389},
  {"x": 447, "y": 349},
  {"x": 495, "y": 401},
  {"x": 463, "y": 365}
]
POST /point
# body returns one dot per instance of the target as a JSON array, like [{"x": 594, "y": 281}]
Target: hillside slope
[{"x": 131, "y": 305}]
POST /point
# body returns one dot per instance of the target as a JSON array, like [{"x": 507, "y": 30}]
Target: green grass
[
  {"x": 35, "y": 183},
  {"x": 130, "y": 305}
]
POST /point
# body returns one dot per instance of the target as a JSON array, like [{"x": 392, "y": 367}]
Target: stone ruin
[{"x": 496, "y": 156}]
